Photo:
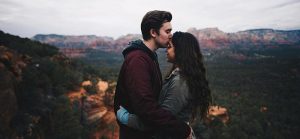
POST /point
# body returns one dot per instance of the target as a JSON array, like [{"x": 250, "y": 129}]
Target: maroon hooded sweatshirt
[{"x": 138, "y": 88}]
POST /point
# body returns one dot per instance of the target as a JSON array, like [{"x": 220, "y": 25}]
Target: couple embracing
[{"x": 148, "y": 106}]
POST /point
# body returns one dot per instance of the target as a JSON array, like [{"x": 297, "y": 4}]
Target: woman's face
[{"x": 171, "y": 53}]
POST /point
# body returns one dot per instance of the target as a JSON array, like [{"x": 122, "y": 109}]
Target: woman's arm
[
  {"x": 135, "y": 122},
  {"x": 131, "y": 120},
  {"x": 175, "y": 99}
]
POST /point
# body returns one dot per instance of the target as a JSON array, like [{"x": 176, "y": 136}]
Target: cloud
[
  {"x": 119, "y": 17},
  {"x": 285, "y": 4}
]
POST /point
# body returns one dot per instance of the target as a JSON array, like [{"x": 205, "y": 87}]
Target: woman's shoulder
[
  {"x": 179, "y": 80},
  {"x": 175, "y": 80}
]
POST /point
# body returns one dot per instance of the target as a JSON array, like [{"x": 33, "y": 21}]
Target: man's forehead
[{"x": 166, "y": 26}]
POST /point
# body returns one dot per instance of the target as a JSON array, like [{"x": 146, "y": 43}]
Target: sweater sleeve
[
  {"x": 144, "y": 102},
  {"x": 135, "y": 122}
]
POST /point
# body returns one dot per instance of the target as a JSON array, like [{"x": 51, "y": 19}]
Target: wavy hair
[{"x": 189, "y": 59}]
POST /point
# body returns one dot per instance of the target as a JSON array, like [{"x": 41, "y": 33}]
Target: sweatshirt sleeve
[{"x": 144, "y": 103}]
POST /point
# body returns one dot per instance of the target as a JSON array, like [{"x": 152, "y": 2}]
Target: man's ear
[{"x": 153, "y": 33}]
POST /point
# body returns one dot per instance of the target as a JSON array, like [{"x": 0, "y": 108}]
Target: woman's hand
[{"x": 122, "y": 115}]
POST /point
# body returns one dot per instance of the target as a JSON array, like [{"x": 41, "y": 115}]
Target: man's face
[{"x": 163, "y": 38}]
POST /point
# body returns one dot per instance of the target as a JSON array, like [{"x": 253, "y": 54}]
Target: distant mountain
[
  {"x": 209, "y": 38},
  {"x": 80, "y": 43},
  {"x": 215, "y": 38}
]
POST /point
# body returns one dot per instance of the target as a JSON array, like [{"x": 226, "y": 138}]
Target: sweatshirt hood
[{"x": 139, "y": 45}]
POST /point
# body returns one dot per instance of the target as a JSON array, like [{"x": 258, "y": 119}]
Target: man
[{"x": 140, "y": 80}]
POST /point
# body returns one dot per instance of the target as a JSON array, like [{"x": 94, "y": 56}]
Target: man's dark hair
[{"x": 154, "y": 20}]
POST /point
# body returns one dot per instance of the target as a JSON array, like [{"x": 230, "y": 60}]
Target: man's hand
[{"x": 122, "y": 115}]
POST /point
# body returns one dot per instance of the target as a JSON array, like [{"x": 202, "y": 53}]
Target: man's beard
[{"x": 160, "y": 45}]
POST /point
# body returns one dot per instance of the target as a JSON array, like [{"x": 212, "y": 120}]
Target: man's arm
[
  {"x": 174, "y": 101},
  {"x": 144, "y": 103}
]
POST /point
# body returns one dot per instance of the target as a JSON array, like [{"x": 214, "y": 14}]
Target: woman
[{"x": 185, "y": 92}]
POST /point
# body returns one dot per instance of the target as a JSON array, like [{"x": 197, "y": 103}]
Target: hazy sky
[{"x": 120, "y": 17}]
